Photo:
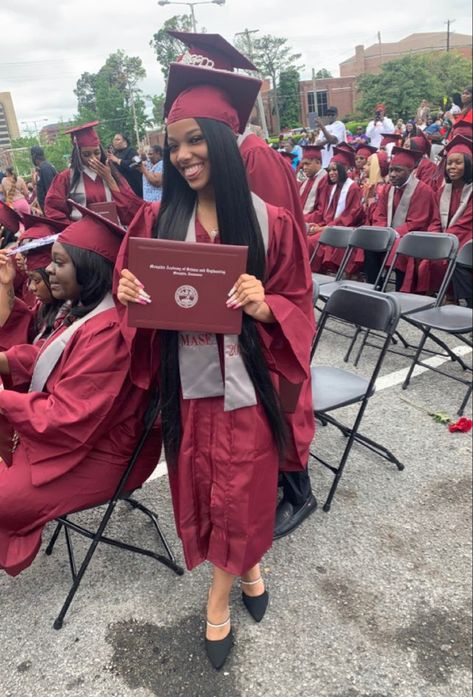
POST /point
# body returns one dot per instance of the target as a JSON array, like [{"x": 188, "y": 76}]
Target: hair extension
[{"x": 238, "y": 225}]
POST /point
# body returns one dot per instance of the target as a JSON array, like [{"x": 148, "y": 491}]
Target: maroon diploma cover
[
  {"x": 107, "y": 209},
  {"x": 188, "y": 283},
  {"x": 6, "y": 440}
]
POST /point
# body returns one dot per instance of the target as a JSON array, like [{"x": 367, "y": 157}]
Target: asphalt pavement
[{"x": 370, "y": 600}]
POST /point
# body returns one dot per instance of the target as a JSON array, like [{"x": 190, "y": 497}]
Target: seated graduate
[
  {"x": 454, "y": 214},
  {"x": 224, "y": 489},
  {"x": 426, "y": 169},
  {"x": 313, "y": 188},
  {"x": 81, "y": 182},
  {"x": 340, "y": 206},
  {"x": 79, "y": 423},
  {"x": 363, "y": 152},
  {"x": 21, "y": 323}
]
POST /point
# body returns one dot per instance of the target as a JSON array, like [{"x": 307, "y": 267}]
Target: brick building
[{"x": 370, "y": 60}]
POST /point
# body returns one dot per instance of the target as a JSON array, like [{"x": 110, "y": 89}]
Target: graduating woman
[
  {"x": 79, "y": 422},
  {"x": 454, "y": 214},
  {"x": 224, "y": 437},
  {"x": 341, "y": 205},
  {"x": 80, "y": 182},
  {"x": 21, "y": 323}
]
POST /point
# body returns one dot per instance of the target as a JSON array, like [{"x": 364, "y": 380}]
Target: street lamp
[{"x": 191, "y": 5}]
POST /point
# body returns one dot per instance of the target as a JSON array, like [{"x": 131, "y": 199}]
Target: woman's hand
[
  {"x": 248, "y": 294},
  {"x": 131, "y": 290},
  {"x": 103, "y": 171},
  {"x": 7, "y": 269}
]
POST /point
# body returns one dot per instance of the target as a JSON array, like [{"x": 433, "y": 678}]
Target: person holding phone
[{"x": 379, "y": 125}]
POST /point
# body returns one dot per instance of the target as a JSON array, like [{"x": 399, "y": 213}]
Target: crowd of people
[{"x": 77, "y": 377}]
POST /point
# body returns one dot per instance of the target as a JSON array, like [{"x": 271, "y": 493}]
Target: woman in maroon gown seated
[
  {"x": 223, "y": 424},
  {"x": 79, "y": 422}
]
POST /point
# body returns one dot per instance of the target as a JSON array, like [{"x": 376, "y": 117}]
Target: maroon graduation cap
[
  {"x": 94, "y": 233},
  {"x": 9, "y": 218},
  {"x": 85, "y": 136},
  {"x": 206, "y": 48},
  {"x": 403, "y": 157}
]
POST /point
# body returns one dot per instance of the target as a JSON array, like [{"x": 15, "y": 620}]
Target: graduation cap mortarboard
[
  {"x": 389, "y": 138},
  {"x": 36, "y": 226},
  {"x": 312, "y": 152},
  {"x": 94, "y": 233},
  {"x": 365, "y": 150},
  {"x": 421, "y": 142},
  {"x": 9, "y": 218},
  {"x": 194, "y": 92},
  {"x": 459, "y": 144},
  {"x": 85, "y": 136},
  {"x": 403, "y": 157},
  {"x": 203, "y": 48},
  {"x": 343, "y": 155}
]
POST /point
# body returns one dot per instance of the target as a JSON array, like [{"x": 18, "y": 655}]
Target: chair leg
[
  {"x": 465, "y": 401},
  {"x": 70, "y": 553},
  {"x": 52, "y": 541},
  {"x": 415, "y": 360},
  {"x": 362, "y": 346},
  {"x": 352, "y": 345},
  {"x": 155, "y": 521},
  {"x": 338, "y": 474}
]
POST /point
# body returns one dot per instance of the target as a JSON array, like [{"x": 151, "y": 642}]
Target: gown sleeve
[
  {"x": 18, "y": 328},
  {"x": 55, "y": 203},
  {"x": 288, "y": 290}
]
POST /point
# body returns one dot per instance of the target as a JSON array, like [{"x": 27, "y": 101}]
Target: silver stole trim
[
  {"x": 342, "y": 201},
  {"x": 49, "y": 357},
  {"x": 399, "y": 217},
  {"x": 444, "y": 204},
  {"x": 314, "y": 183},
  {"x": 199, "y": 360},
  {"x": 78, "y": 193}
]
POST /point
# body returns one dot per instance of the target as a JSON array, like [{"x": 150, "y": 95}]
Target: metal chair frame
[
  {"x": 356, "y": 306},
  {"x": 97, "y": 536}
]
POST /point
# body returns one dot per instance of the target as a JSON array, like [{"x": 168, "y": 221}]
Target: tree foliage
[
  {"x": 323, "y": 73},
  {"x": 273, "y": 56},
  {"x": 157, "y": 101},
  {"x": 289, "y": 106},
  {"x": 58, "y": 153},
  {"x": 403, "y": 83},
  {"x": 166, "y": 48},
  {"x": 111, "y": 94}
]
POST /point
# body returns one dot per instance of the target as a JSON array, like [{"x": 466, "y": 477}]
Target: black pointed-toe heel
[
  {"x": 256, "y": 605},
  {"x": 218, "y": 651}
]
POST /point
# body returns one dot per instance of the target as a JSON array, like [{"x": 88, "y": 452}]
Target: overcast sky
[{"x": 46, "y": 45}]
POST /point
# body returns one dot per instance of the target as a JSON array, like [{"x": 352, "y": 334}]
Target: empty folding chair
[
  {"x": 334, "y": 388},
  {"x": 367, "y": 239},
  {"x": 449, "y": 319},
  {"x": 431, "y": 246},
  {"x": 98, "y": 536},
  {"x": 337, "y": 237}
]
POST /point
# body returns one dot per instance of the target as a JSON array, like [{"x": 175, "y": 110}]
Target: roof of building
[{"x": 422, "y": 41}]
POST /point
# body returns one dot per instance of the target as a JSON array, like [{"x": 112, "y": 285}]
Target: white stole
[
  {"x": 444, "y": 204},
  {"x": 314, "y": 185},
  {"x": 78, "y": 193},
  {"x": 399, "y": 217},
  {"x": 199, "y": 360},
  {"x": 342, "y": 200}
]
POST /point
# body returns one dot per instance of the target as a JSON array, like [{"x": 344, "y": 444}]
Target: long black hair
[
  {"x": 94, "y": 275},
  {"x": 77, "y": 166},
  {"x": 342, "y": 172},
  {"x": 47, "y": 313},
  {"x": 467, "y": 174},
  {"x": 237, "y": 224}
]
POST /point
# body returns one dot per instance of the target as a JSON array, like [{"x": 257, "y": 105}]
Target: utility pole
[
  {"x": 380, "y": 48},
  {"x": 133, "y": 112},
  {"x": 314, "y": 89},
  {"x": 194, "y": 21},
  {"x": 259, "y": 102},
  {"x": 449, "y": 22}
]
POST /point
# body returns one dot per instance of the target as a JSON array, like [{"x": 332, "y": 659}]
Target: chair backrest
[
  {"x": 465, "y": 255},
  {"x": 336, "y": 236},
  {"x": 435, "y": 246},
  {"x": 373, "y": 239},
  {"x": 367, "y": 309}
]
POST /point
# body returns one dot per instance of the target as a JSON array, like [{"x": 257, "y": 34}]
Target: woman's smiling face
[{"x": 189, "y": 153}]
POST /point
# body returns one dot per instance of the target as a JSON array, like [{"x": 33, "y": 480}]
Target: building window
[{"x": 322, "y": 104}]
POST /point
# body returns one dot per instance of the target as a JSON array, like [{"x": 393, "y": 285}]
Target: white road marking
[{"x": 383, "y": 383}]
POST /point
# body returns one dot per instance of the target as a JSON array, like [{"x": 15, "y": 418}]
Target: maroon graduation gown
[
  {"x": 426, "y": 171},
  {"x": 19, "y": 327},
  {"x": 420, "y": 213},
  {"x": 55, "y": 204},
  {"x": 76, "y": 436},
  {"x": 224, "y": 488},
  {"x": 305, "y": 190}
]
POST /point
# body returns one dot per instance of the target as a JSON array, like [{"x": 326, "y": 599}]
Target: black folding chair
[
  {"x": 430, "y": 246},
  {"x": 338, "y": 237},
  {"x": 369, "y": 239},
  {"x": 450, "y": 319},
  {"x": 334, "y": 388},
  {"x": 98, "y": 536}
]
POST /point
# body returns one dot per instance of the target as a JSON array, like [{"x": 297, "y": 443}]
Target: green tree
[
  {"x": 273, "y": 56},
  {"x": 323, "y": 73},
  {"x": 112, "y": 96},
  {"x": 166, "y": 48},
  {"x": 157, "y": 101},
  {"x": 403, "y": 83},
  {"x": 289, "y": 100}
]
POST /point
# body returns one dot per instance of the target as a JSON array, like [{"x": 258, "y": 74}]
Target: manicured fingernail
[
  {"x": 230, "y": 303},
  {"x": 143, "y": 301},
  {"x": 232, "y": 291},
  {"x": 235, "y": 307},
  {"x": 138, "y": 283},
  {"x": 145, "y": 295}
]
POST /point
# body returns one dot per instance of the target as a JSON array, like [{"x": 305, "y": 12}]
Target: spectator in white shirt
[
  {"x": 380, "y": 124},
  {"x": 331, "y": 134}
]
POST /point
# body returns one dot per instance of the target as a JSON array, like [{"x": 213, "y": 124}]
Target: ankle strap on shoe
[
  {"x": 251, "y": 583},
  {"x": 218, "y": 626}
]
